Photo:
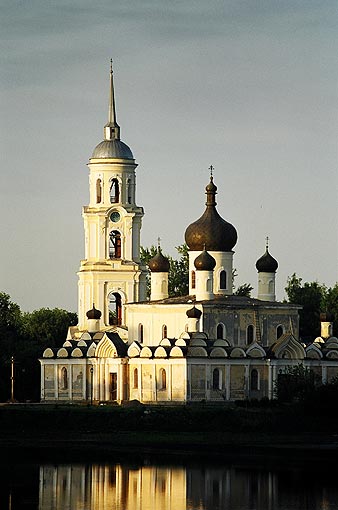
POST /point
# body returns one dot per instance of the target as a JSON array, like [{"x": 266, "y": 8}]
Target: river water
[{"x": 173, "y": 484}]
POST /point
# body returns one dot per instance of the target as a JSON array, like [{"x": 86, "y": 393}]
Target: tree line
[{"x": 24, "y": 336}]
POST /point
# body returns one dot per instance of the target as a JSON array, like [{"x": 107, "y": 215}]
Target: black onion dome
[
  {"x": 94, "y": 313},
  {"x": 210, "y": 229},
  {"x": 159, "y": 263},
  {"x": 204, "y": 262},
  {"x": 193, "y": 313},
  {"x": 266, "y": 264}
]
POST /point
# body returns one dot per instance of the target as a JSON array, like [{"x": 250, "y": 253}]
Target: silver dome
[{"x": 112, "y": 149}]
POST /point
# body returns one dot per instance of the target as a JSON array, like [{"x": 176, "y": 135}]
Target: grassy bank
[{"x": 202, "y": 429}]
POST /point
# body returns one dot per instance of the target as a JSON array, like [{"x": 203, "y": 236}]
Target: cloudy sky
[{"x": 248, "y": 86}]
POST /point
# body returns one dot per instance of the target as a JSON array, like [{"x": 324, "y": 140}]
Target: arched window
[
  {"x": 254, "y": 379},
  {"x": 114, "y": 191},
  {"x": 186, "y": 328},
  {"x": 164, "y": 331},
  {"x": 140, "y": 333},
  {"x": 163, "y": 379},
  {"x": 98, "y": 191},
  {"x": 115, "y": 245},
  {"x": 135, "y": 379},
  {"x": 220, "y": 331},
  {"x": 249, "y": 334},
  {"x": 223, "y": 280},
  {"x": 193, "y": 280},
  {"x": 271, "y": 287},
  {"x": 129, "y": 191},
  {"x": 209, "y": 285},
  {"x": 64, "y": 379},
  {"x": 279, "y": 331},
  {"x": 216, "y": 379},
  {"x": 115, "y": 309}
]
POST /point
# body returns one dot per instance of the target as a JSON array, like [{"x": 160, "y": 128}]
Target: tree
[
  {"x": 40, "y": 329},
  {"x": 25, "y": 336},
  {"x": 48, "y": 326},
  {"x": 178, "y": 281},
  {"x": 10, "y": 316},
  {"x": 10, "y": 337},
  {"x": 178, "y": 278},
  {"x": 295, "y": 384},
  {"x": 331, "y": 305},
  {"x": 312, "y": 296},
  {"x": 244, "y": 290}
]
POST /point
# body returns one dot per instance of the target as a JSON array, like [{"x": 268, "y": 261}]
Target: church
[{"x": 208, "y": 346}]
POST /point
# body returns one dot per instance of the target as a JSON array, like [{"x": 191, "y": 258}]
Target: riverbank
[{"x": 72, "y": 432}]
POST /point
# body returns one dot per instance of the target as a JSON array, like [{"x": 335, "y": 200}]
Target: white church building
[{"x": 210, "y": 345}]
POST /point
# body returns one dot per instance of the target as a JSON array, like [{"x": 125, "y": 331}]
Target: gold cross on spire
[
  {"x": 211, "y": 168},
  {"x": 267, "y": 242}
]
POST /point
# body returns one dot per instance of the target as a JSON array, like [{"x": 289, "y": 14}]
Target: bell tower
[{"x": 111, "y": 274}]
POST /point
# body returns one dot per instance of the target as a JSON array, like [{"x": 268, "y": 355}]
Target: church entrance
[{"x": 113, "y": 386}]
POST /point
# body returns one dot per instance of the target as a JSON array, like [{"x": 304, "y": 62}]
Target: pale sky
[{"x": 249, "y": 86}]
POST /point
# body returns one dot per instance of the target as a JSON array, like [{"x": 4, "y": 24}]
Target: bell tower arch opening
[
  {"x": 115, "y": 244},
  {"x": 115, "y": 309},
  {"x": 114, "y": 191}
]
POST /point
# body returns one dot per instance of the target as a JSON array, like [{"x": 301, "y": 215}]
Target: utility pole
[
  {"x": 91, "y": 385},
  {"x": 12, "y": 380}
]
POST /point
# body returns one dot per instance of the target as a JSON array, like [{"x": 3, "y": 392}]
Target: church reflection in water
[
  {"x": 102, "y": 487},
  {"x": 118, "y": 487}
]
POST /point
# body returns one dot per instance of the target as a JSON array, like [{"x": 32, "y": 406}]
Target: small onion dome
[
  {"x": 94, "y": 313},
  {"x": 210, "y": 229},
  {"x": 266, "y": 264},
  {"x": 204, "y": 261},
  {"x": 112, "y": 149},
  {"x": 159, "y": 263},
  {"x": 193, "y": 313}
]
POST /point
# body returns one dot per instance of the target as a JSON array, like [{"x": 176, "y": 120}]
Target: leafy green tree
[
  {"x": 178, "y": 278},
  {"x": 48, "y": 326},
  {"x": 40, "y": 329},
  {"x": 312, "y": 297},
  {"x": 24, "y": 336},
  {"x": 315, "y": 298},
  {"x": 331, "y": 306},
  {"x": 10, "y": 339},
  {"x": 10, "y": 317},
  {"x": 295, "y": 384},
  {"x": 178, "y": 281},
  {"x": 243, "y": 290}
]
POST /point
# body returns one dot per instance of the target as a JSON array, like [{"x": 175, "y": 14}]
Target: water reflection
[
  {"x": 165, "y": 487},
  {"x": 102, "y": 487}
]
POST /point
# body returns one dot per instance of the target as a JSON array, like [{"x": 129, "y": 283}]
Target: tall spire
[{"x": 111, "y": 129}]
